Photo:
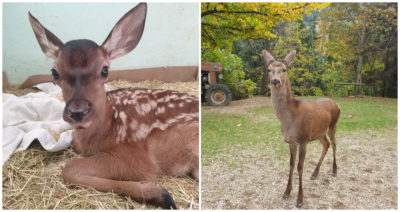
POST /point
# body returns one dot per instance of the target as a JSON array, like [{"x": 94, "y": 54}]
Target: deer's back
[
  {"x": 313, "y": 119},
  {"x": 138, "y": 111}
]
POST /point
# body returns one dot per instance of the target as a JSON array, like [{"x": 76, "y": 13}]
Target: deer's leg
[
  {"x": 325, "y": 147},
  {"x": 293, "y": 153},
  {"x": 332, "y": 137},
  {"x": 106, "y": 173},
  {"x": 302, "y": 155}
]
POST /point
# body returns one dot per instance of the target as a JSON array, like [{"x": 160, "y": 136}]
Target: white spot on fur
[
  {"x": 136, "y": 93},
  {"x": 133, "y": 124},
  {"x": 123, "y": 116},
  {"x": 160, "y": 100},
  {"x": 143, "y": 131},
  {"x": 170, "y": 105},
  {"x": 159, "y": 91},
  {"x": 153, "y": 104},
  {"x": 145, "y": 108},
  {"x": 160, "y": 110}
]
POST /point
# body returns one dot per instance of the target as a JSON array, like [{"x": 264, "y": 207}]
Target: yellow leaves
[
  {"x": 219, "y": 7},
  {"x": 241, "y": 20}
]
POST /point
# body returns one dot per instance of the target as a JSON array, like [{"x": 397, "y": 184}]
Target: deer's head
[
  {"x": 81, "y": 66},
  {"x": 278, "y": 70}
]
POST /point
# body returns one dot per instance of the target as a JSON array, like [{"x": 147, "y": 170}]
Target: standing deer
[
  {"x": 302, "y": 121},
  {"x": 127, "y": 136}
]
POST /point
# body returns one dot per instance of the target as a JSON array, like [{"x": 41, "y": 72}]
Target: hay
[
  {"x": 32, "y": 178},
  {"x": 20, "y": 92}
]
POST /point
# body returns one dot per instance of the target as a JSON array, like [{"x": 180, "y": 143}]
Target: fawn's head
[
  {"x": 81, "y": 66},
  {"x": 278, "y": 70}
]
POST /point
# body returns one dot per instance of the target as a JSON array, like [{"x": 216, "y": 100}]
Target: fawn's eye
[
  {"x": 55, "y": 74},
  {"x": 284, "y": 70},
  {"x": 104, "y": 71}
]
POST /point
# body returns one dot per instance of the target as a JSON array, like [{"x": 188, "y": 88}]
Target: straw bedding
[{"x": 32, "y": 178}]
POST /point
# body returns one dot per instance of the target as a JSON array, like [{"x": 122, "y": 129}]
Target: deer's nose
[
  {"x": 77, "y": 109},
  {"x": 275, "y": 81}
]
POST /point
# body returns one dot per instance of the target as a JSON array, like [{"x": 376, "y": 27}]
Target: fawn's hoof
[
  {"x": 334, "y": 174},
  {"x": 314, "y": 177},
  {"x": 168, "y": 202}
]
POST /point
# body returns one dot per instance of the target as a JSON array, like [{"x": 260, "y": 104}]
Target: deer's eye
[
  {"x": 284, "y": 70},
  {"x": 268, "y": 70},
  {"x": 55, "y": 74},
  {"x": 104, "y": 71}
]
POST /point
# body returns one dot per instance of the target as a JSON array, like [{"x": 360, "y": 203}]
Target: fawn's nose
[
  {"x": 77, "y": 109},
  {"x": 275, "y": 81}
]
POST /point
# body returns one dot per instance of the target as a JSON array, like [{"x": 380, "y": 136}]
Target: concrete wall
[{"x": 171, "y": 35}]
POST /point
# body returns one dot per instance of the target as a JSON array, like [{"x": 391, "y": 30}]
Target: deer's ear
[
  {"x": 268, "y": 58},
  {"x": 48, "y": 42},
  {"x": 289, "y": 58},
  {"x": 126, "y": 34}
]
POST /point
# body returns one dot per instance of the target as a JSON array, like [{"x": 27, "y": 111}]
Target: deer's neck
[
  {"x": 282, "y": 102},
  {"x": 98, "y": 131}
]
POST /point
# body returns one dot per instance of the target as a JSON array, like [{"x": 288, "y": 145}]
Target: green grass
[
  {"x": 365, "y": 113},
  {"x": 259, "y": 125}
]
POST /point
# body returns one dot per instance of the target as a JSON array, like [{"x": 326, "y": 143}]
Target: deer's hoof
[
  {"x": 299, "y": 201},
  {"x": 286, "y": 196},
  {"x": 299, "y": 204},
  {"x": 313, "y": 177},
  {"x": 168, "y": 202}
]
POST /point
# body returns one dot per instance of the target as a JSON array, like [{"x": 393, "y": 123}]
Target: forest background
[{"x": 335, "y": 43}]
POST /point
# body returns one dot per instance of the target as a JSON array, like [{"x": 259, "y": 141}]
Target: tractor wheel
[{"x": 218, "y": 95}]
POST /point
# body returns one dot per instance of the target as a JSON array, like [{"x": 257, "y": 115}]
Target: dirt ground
[{"x": 366, "y": 179}]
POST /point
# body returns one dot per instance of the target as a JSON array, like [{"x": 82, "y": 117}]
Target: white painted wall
[{"x": 170, "y": 38}]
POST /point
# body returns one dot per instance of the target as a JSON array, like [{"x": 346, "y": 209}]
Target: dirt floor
[
  {"x": 367, "y": 172},
  {"x": 32, "y": 178}
]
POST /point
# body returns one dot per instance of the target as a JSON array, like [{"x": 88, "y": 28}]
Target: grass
[{"x": 257, "y": 125}]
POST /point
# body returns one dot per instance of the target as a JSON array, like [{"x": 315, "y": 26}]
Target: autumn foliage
[{"x": 335, "y": 43}]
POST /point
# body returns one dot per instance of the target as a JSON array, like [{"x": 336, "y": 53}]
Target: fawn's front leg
[{"x": 107, "y": 173}]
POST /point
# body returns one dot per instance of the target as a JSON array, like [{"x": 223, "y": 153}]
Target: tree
[
  {"x": 224, "y": 23},
  {"x": 352, "y": 31}
]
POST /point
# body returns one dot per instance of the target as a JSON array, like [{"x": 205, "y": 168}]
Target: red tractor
[{"x": 212, "y": 91}]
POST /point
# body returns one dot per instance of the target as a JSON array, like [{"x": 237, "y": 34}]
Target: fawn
[
  {"x": 302, "y": 121},
  {"x": 127, "y": 136}
]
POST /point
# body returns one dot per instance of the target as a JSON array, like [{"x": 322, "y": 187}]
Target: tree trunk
[
  {"x": 359, "y": 68},
  {"x": 361, "y": 40},
  {"x": 385, "y": 74},
  {"x": 264, "y": 80}
]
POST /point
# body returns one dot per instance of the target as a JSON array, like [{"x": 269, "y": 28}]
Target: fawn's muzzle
[
  {"x": 275, "y": 82},
  {"x": 77, "y": 110}
]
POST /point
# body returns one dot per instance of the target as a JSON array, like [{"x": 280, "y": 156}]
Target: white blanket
[{"x": 35, "y": 116}]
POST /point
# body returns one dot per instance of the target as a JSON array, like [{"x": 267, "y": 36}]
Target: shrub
[{"x": 233, "y": 74}]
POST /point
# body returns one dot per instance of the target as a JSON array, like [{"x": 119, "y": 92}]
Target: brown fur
[
  {"x": 302, "y": 121},
  {"x": 127, "y": 136}
]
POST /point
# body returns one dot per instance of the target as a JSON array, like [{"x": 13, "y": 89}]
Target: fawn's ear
[
  {"x": 268, "y": 58},
  {"x": 289, "y": 58},
  {"x": 126, "y": 34},
  {"x": 49, "y": 43}
]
